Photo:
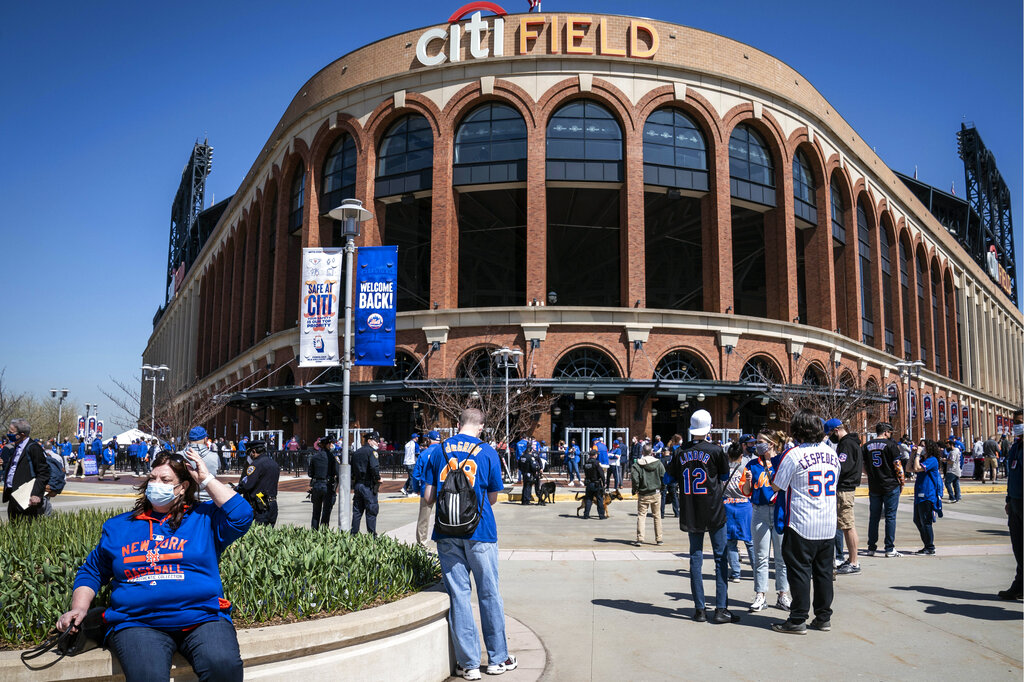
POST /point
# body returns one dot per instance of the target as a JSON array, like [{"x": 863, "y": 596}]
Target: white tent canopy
[{"x": 131, "y": 434}]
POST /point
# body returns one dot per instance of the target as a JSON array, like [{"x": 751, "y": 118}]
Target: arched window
[
  {"x": 405, "y": 367},
  {"x": 297, "y": 199},
  {"x": 339, "y": 174},
  {"x": 922, "y": 310},
  {"x": 268, "y": 286},
  {"x": 480, "y": 364},
  {"x": 584, "y": 142},
  {"x": 864, "y": 259},
  {"x": 585, "y": 363},
  {"x": 813, "y": 377},
  {"x": 490, "y": 146},
  {"x": 937, "y": 320},
  {"x": 680, "y": 366},
  {"x": 888, "y": 288},
  {"x": 906, "y": 300},
  {"x": 758, "y": 370},
  {"x": 406, "y": 158},
  {"x": 838, "y": 209},
  {"x": 751, "y": 169},
  {"x": 804, "y": 191},
  {"x": 675, "y": 154}
]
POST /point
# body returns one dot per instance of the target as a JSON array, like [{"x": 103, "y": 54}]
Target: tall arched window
[
  {"x": 339, "y": 174},
  {"x": 680, "y": 366},
  {"x": 922, "y": 311},
  {"x": 675, "y": 157},
  {"x": 838, "y": 219},
  {"x": 937, "y": 320},
  {"x": 838, "y": 211},
  {"x": 888, "y": 288},
  {"x": 867, "y": 317},
  {"x": 405, "y": 168},
  {"x": 406, "y": 157},
  {"x": 268, "y": 287},
  {"x": 907, "y": 302},
  {"x": 490, "y": 146},
  {"x": 585, "y": 363},
  {"x": 297, "y": 199},
  {"x": 490, "y": 166},
  {"x": 751, "y": 169},
  {"x": 804, "y": 191},
  {"x": 584, "y": 144}
]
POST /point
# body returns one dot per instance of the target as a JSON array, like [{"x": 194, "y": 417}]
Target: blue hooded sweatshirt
[{"x": 163, "y": 578}]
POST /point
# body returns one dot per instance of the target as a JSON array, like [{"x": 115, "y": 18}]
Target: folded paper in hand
[{"x": 23, "y": 493}]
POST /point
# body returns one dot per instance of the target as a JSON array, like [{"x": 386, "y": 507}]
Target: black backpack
[{"x": 458, "y": 513}]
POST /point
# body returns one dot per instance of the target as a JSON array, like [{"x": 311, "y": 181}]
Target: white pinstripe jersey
[{"x": 810, "y": 473}]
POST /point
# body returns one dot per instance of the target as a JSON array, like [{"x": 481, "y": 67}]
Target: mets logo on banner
[{"x": 375, "y": 321}]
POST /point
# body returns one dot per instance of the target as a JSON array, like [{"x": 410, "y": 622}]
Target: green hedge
[{"x": 271, "y": 575}]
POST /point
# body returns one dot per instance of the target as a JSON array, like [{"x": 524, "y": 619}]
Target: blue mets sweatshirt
[{"x": 162, "y": 578}]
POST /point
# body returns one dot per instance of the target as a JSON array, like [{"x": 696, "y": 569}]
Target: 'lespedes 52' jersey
[
  {"x": 809, "y": 474},
  {"x": 698, "y": 469}
]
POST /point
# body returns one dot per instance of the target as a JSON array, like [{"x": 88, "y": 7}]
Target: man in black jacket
[
  {"x": 27, "y": 462},
  {"x": 365, "y": 483},
  {"x": 847, "y": 446},
  {"x": 594, "y": 485},
  {"x": 323, "y": 479}
]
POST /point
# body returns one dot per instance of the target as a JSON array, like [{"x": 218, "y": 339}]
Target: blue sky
[{"x": 103, "y": 100}]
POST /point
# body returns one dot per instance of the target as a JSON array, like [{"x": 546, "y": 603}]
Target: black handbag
[{"x": 91, "y": 634}]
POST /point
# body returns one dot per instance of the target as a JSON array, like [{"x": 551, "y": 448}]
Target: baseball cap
[
  {"x": 832, "y": 424},
  {"x": 434, "y": 435},
  {"x": 746, "y": 438},
  {"x": 196, "y": 433},
  {"x": 700, "y": 423},
  {"x": 256, "y": 445},
  {"x": 415, "y": 435}
]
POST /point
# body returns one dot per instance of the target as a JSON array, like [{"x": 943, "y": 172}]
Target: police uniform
[
  {"x": 323, "y": 478},
  {"x": 365, "y": 482},
  {"x": 259, "y": 485}
]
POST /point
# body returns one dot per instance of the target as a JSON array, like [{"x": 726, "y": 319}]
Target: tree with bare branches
[
  {"x": 174, "y": 415},
  {"x": 10, "y": 402}
]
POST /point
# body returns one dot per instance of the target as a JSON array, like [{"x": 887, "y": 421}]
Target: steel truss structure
[{"x": 185, "y": 239}]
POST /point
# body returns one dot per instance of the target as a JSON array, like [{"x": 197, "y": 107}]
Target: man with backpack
[{"x": 464, "y": 477}]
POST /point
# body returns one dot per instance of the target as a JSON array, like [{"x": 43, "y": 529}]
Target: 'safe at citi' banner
[
  {"x": 376, "y": 287},
  {"x": 321, "y": 284}
]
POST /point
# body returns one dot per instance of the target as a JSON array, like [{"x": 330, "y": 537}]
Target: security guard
[
  {"x": 259, "y": 485},
  {"x": 323, "y": 479},
  {"x": 365, "y": 484}
]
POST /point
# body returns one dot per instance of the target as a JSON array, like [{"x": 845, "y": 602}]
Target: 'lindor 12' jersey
[{"x": 699, "y": 468}]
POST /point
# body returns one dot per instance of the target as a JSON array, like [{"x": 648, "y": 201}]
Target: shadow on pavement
[
  {"x": 614, "y": 541},
  {"x": 643, "y": 608},
  {"x": 993, "y": 531},
  {"x": 976, "y": 611},
  {"x": 948, "y": 593}
]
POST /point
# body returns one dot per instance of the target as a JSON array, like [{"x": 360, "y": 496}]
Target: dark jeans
[
  {"x": 573, "y": 468},
  {"x": 1013, "y": 520},
  {"x": 953, "y": 487},
  {"x": 890, "y": 501},
  {"x": 267, "y": 517},
  {"x": 407, "y": 487},
  {"x": 323, "y": 502},
  {"x": 839, "y": 545},
  {"x": 670, "y": 490},
  {"x": 364, "y": 500},
  {"x": 145, "y": 653},
  {"x": 923, "y": 521},
  {"x": 529, "y": 483},
  {"x": 718, "y": 549},
  {"x": 614, "y": 473},
  {"x": 808, "y": 561},
  {"x": 594, "y": 494}
]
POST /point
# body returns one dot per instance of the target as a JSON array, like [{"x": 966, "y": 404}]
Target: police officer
[
  {"x": 259, "y": 485},
  {"x": 529, "y": 470},
  {"x": 594, "y": 482},
  {"x": 365, "y": 484},
  {"x": 323, "y": 478}
]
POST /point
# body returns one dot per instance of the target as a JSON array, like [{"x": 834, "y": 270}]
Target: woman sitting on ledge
[{"x": 163, "y": 559}]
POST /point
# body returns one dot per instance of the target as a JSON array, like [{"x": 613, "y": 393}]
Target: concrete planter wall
[{"x": 403, "y": 641}]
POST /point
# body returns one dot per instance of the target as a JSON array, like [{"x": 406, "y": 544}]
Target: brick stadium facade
[{"x": 647, "y": 210}]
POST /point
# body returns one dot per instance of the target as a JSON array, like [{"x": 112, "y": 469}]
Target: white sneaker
[
  {"x": 838, "y": 562},
  {"x": 893, "y": 554},
  {"x": 467, "y": 674},
  {"x": 499, "y": 668},
  {"x": 759, "y": 603},
  {"x": 785, "y": 601}
]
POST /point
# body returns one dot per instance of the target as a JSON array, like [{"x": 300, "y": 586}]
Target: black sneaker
[
  {"x": 1011, "y": 594},
  {"x": 790, "y": 628},
  {"x": 723, "y": 616},
  {"x": 821, "y": 625},
  {"x": 700, "y": 615},
  {"x": 848, "y": 569},
  {"x": 925, "y": 552}
]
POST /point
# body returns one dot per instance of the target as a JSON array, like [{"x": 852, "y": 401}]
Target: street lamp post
[
  {"x": 350, "y": 213},
  {"x": 60, "y": 395},
  {"x": 155, "y": 372},
  {"x": 910, "y": 370},
  {"x": 507, "y": 357}
]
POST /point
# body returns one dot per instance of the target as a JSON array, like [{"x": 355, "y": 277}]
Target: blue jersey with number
[{"x": 480, "y": 462}]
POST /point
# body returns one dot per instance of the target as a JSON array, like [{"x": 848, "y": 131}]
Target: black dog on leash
[{"x": 547, "y": 492}]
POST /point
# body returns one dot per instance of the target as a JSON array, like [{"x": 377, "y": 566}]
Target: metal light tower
[
  {"x": 60, "y": 395},
  {"x": 507, "y": 357},
  {"x": 910, "y": 370},
  {"x": 350, "y": 213},
  {"x": 155, "y": 372}
]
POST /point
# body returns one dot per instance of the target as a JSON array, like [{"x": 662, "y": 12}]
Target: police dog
[
  {"x": 609, "y": 497},
  {"x": 547, "y": 492}
]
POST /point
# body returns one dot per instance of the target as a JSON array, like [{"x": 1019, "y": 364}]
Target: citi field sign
[{"x": 538, "y": 34}]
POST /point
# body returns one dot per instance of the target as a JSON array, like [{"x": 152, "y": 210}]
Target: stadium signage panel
[{"x": 567, "y": 34}]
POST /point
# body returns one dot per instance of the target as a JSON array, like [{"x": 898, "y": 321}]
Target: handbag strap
[{"x": 54, "y": 638}]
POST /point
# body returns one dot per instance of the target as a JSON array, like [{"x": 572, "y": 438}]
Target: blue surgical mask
[
  {"x": 13, "y": 437},
  {"x": 160, "y": 494}
]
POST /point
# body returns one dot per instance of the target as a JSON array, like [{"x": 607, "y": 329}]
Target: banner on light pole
[
  {"x": 376, "y": 290},
  {"x": 321, "y": 286}
]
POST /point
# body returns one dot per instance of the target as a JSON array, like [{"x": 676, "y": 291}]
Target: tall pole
[{"x": 345, "y": 470}]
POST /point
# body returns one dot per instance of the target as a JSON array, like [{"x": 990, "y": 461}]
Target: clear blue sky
[{"x": 103, "y": 100}]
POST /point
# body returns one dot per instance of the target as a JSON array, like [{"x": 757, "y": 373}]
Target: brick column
[
  {"x": 444, "y": 231},
  {"x": 929, "y": 323},
  {"x": 237, "y": 292},
  {"x": 633, "y": 225},
  {"x": 280, "y": 259},
  {"x": 536, "y": 216}
]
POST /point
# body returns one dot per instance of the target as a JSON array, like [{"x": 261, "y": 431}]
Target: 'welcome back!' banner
[
  {"x": 376, "y": 287},
  {"x": 321, "y": 284}
]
